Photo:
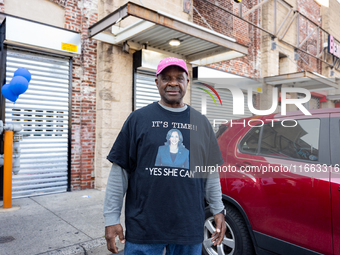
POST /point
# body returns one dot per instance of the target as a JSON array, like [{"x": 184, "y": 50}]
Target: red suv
[{"x": 280, "y": 184}]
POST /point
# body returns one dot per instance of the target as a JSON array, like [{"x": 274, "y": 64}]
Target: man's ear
[
  {"x": 156, "y": 80},
  {"x": 188, "y": 81}
]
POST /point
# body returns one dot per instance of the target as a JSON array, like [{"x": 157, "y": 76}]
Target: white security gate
[
  {"x": 217, "y": 114},
  {"x": 43, "y": 111},
  {"x": 146, "y": 90}
]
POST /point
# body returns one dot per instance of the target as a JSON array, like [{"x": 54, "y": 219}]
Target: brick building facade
[
  {"x": 236, "y": 28},
  {"x": 100, "y": 105},
  {"x": 312, "y": 10},
  {"x": 79, "y": 15},
  {"x": 262, "y": 60},
  {"x": 75, "y": 15}
]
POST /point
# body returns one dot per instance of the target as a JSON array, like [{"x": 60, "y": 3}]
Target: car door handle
[{"x": 244, "y": 163}]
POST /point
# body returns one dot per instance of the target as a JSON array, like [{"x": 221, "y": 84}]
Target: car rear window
[{"x": 300, "y": 142}]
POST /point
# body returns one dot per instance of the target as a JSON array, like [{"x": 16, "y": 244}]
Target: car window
[
  {"x": 300, "y": 142},
  {"x": 250, "y": 142}
]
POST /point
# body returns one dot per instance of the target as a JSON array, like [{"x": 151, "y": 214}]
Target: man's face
[{"x": 172, "y": 85}]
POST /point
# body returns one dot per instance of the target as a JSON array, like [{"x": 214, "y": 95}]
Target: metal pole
[
  {"x": 318, "y": 41},
  {"x": 240, "y": 9},
  {"x": 69, "y": 137},
  {"x": 8, "y": 158},
  {"x": 297, "y": 31},
  {"x": 3, "y": 51},
  {"x": 275, "y": 17},
  {"x": 307, "y": 36}
]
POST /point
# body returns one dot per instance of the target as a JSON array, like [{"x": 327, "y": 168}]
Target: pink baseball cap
[{"x": 171, "y": 61}]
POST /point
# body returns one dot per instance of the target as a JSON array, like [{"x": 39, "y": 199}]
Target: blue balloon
[
  {"x": 24, "y": 73},
  {"x": 7, "y": 93},
  {"x": 18, "y": 85}
]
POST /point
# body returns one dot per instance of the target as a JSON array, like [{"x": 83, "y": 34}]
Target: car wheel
[{"x": 236, "y": 240}]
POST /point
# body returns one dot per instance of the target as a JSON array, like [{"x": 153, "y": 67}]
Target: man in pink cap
[{"x": 164, "y": 209}]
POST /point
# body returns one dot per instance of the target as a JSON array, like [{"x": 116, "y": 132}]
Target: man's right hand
[{"x": 110, "y": 234}]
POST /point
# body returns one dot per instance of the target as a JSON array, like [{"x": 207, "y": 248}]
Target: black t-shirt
[{"x": 165, "y": 197}]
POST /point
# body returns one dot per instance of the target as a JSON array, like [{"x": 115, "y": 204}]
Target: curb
[{"x": 96, "y": 246}]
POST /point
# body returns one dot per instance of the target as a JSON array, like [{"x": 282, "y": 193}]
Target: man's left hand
[{"x": 218, "y": 235}]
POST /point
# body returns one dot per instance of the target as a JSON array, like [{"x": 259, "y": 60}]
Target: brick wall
[
  {"x": 248, "y": 35},
  {"x": 311, "y": 10},
  {"x": 236, "y": 28},
  {"x": 79, "y": 17}
]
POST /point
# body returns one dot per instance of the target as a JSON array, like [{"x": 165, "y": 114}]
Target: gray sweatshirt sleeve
[
  {"x": 116, "y": 187},
  {"x": 213, "y": 195}
]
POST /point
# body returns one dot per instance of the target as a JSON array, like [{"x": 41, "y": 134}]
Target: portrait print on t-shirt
[{"x": 173, "y": 153}]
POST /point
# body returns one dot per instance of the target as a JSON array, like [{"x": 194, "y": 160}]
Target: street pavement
[{"x": 56, "y": 224}]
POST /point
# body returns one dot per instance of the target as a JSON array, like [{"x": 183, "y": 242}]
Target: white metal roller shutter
[
  {"x": 43, "y": 112},
  {"x": 217, "y": 112},
  {"x": 146, "y": 90}
]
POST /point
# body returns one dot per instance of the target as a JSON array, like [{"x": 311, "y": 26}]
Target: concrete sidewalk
[{"x": 64, "y": 223}]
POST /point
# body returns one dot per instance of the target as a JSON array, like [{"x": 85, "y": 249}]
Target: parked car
[{"x": 295, "y": 210}]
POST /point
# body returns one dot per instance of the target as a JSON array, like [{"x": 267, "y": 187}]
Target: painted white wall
[{"x": 39, "y": 10}]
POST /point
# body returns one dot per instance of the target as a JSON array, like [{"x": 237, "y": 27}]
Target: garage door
[
  {"x": 146, "y": 90},
  {"x": 43, "y": 111}
]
